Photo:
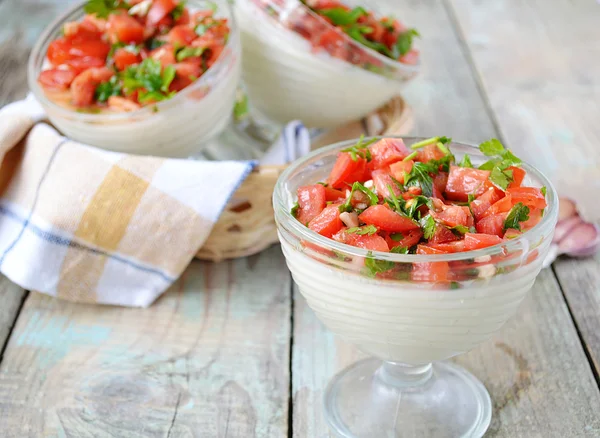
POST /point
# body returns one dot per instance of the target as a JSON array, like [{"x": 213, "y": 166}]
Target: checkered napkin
[{"x": 88, "y": 225}]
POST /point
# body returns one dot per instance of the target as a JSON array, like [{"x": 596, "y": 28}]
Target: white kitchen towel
[{"x": 89, "y": 225}]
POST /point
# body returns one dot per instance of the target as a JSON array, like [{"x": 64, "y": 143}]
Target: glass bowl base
[{"x": 450, "y": 403}]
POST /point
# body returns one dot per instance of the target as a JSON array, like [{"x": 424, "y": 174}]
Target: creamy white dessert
[
  {"x": 287, "y": 80},
  {"x": 405, "y": 322}
]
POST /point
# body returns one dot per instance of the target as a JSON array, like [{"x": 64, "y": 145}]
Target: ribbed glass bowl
[{"x": 177, "y": 127}]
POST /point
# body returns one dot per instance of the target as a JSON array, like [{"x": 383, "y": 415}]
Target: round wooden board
[{"x": 247, "y": 225}]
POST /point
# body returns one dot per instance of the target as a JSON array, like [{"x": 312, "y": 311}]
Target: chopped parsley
[
  {"x": 374, "y": 266},
  {"x": 519, "y": 213},
  {"x": 396, "y": 237},
  {"x": 367, "y": 230},
  {"x": 342, "y": 17},
  {"x": 399, "y": 250},
  {"x": 103, "y": 8},
  {"x": 411, "y": 156},
  {"x": 503, "y": 158},
  {"x": 240, "y": 110},
  {"x": 405, "y": 42},
  {"x": 543, "y": 190},
  {"x": 466, "y": 161},
  {"x": 106, "y": 89},
  {"x": 294, "y": 210},
  {"x": 420, "y": 176},
  {"x": 501, "y": 178},
  {"x": 347, "y": 206},
  {"x": 461, "y": 229},
  {"x": 178, "y": 11},
  {"x": 189, "y": 52},
  {"x": 360, "y": 149},
  {"x": 428, "y": 225},
  {"x": 149, "y": 76}
]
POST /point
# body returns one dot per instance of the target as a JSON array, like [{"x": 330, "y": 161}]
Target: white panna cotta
[{"x": 287, "y": 79}]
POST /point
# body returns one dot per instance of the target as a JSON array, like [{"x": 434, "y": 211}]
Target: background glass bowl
[
  {"x": 287, "y": 79},
  {"x": 405, "y": 319},
  {"x": 177, "y": 127}
]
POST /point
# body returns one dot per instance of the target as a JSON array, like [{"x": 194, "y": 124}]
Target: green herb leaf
[
  {"x": 460, "y": 229},
  {"x": 357, "y": 34},
  {"x": 404, "y": 42},
  {"x": 420, "y": 176},
  {"x": 372, "y": 196},
  {"x": 466, "y": 161},
  {"x": 412, "y": 206},
  {"x": 426, "y": 142},
  {"x": 342, "y": 17},
  {"x": 155, "y": 43},
  {"x": 188, "y": 52},
  {"x": 374, "y": 266},
  {"x": 519, "y": 213},
  {"x": 240, "y": 111},
  {"x": 106, "y": 89},
  {"x": 168, "y": 75},
  {"x": 399, "y": 250},
  {"x": 492, "y": 147},
  {"x": 201, "y": 28},
  {"x": 428, "y": 225},
  {"x": 294, "y": 210},
  {"x": 543, "y": 190},
  {"x": 396, "y": 237},
  {"x": 454, "y": 285},
  {"x": 178, "y": 11},
  {"x": 103, "y": 8},
  {"x": 500, "y": 178},
  {"x": 368, "y": 230},
  {"x": 360, "y": 149},
  {"x": 153, "y": 96}
]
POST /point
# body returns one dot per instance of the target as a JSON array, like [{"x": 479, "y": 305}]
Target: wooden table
[{"x": 232, "y": 350}]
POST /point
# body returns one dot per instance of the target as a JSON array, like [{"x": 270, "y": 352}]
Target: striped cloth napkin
[{"x": 88, "y": 225}]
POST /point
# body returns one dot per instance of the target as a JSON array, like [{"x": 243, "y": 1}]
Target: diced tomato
[
  {"x": 78, "y": 31},
  {"x": 484, "y": 201},
  {"x": 334, "y": 195},
  {"x": 123, "y": 58},
  {"x": 493, "y": 224},
  {"x": 411, "y": 58},
  {"x": 159, "y": 10},
  {"x": 387, "y": 151},
  {"x": 464, "y": 181},
  {"x": 439, "y": 185},
  {"x": 100, "y": 23},
  {"x": 530, "y": 196},
  {"x": 56, "y": 79},
  {"x": 185, "y": 17},
  {"x": 311, "y": 202},
  {"x": 430, "y": 152},
  {"x": 346, "y": 171},
  {"x": 442, "y": 234},
  {"x": 383, "y": 181},
  {"x": 79, "y": 65},
  {"x": 400, "y": 168},
  {"x": 431, "y": 272},
  {"x": 408, "y": 240},
  {"x": 502, "y": 206},
  {"x": 511, "y": 233},
  {"x": 164, "y": 54},
  {"x": 124, "y": 28},
  {"x": 122, "y": 104},
  {"x": 454, "y": 215},
  {"x": 449, "y": 247},
  {"x": 535, "y": 215},
  {"x": 480, "y": 240},
  {"x": 60, "y": 51},
  {"x": 186, "y": 71},
  {"x": 384, "y": 218},
  {"x": 372, "y": 242},
  {"x": 84, "y": 85},
  {"x": 517, "y": 178},
  {"x": 182, "y": 35},
  {"x": 328, "y": 222},
  {"x": 412, "y": 191}
]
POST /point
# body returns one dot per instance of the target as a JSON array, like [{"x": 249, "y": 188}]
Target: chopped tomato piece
[
  {"x": 124, "y": 28},
  {"x": 387, "y": 151},
  {"x": 535, "y": 215},
  {"x": 464, "y": 181},
  {"x": 411, "y": 58},
  {"x": 328, "y": 222},
  {"x": 408, "y": 239},
  {"x": 185, "y": 17},
  {"x": 123, "y": 58},
  {"x": 518, "y": 176},
  {"x": 439, "y": 185},
  {"x": 311, "y": 202},
  {"x": 78, "y": 31},
  {"x": 384, "y": 218},
  {"x": 401, "y": 168},
  {"x": 61, "y": 50},
  {"x": 454, "y": 215},
  {"x": 383, "y": 181},
  {"x": 84, "y": 85},
  {"x": 57, "y": 79},
  {"x": 430, "y": 152},
  {"x": 511, "y": 233},
  {"x": 493, "y": 224},
  {"x": 334, "y": 195},
  {"x": 182, "y": 35},
  {"x": 164, "y": 54},
  {"x": 79, "y": 65},
  {"x": 442, "y": 234},
  {"x": 530, "y": 196},
  {"x": 122, "y": 104},
  {"x": 502, "y": 206},
  {"x": 372, "y": 242},
  {"x": 346, "y": 171},
  {"x": 159, "y": 10},
  {"x": 448, "y": 247},
  {"x": 480, "y": 240},
  {"x": 186, "y": 71},
  {"x": 431, "y": 272},
  {"x": 483, "y": 202}
]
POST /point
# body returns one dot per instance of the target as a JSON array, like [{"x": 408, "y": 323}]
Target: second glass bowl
[{"x": 177, "y": 127}]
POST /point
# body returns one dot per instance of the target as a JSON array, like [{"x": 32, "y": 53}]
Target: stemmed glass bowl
[
  {"x": 177, "y": 127},
  {"x": 393, "y": 308}
]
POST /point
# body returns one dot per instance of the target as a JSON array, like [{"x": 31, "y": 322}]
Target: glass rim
[
  {"x": 416, "y": 68},
  {"x": 285, "y": 219},
  {"x": 40, "y": 95}
]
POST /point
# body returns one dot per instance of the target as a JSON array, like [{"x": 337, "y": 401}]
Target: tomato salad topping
[
  {"x": 127, "y": 54},
  {"x": 383, "y": 196}
]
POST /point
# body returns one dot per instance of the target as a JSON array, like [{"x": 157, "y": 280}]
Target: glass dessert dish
[
  {"x": 382, "y": 303},
  {"x": 176, "y": 127},
  {"x": 287, "y": 78}
]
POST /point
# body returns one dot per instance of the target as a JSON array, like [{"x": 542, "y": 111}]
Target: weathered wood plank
[
  {"x": 538, "y": 66},
  {"x": 534, "y": 368},
  {"x": 11, "y": 297},
  {"x": 210, "y": 358}
]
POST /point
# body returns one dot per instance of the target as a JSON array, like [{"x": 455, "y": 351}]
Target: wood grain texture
[
  {"x": 534, "y": 369},
  {"x": 210, "y": 358},
  {"x": 11, "y": 297},
  {"x": 542, "y": 81}
]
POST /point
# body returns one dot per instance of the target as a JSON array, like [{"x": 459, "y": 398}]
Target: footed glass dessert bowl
[{"x": 411, "y": 309}]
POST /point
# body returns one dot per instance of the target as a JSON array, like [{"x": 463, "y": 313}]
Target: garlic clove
[
  {"x": 566, "y": 209},
  {"x": 581, "y": 241},
  {"x": 564, "y": 227}
]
